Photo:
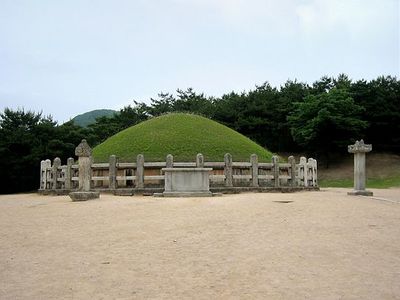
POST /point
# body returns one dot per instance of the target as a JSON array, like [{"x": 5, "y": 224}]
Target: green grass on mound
[
  {"x": 183, "y": 136},
  {"x": 377, "y": 183}
]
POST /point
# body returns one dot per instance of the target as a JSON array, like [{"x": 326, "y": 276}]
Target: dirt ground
[{"x": 323, "y": 245}]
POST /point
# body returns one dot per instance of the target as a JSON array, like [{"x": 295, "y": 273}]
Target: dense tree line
[{"x": 320, "y": 119}]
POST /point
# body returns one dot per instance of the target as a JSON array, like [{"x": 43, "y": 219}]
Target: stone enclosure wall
[{"x": 128, "y": 178}]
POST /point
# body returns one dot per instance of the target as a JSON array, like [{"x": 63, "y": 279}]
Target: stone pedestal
[
  {"x": 83, "y": 196},
  {"x": 84, "y": 153},
  {"x": 187, "y": 182},
  {"x": 359, "y": 149}
]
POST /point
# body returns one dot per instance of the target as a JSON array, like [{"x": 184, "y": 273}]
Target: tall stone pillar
[
  {"x": 84, "y": 153},
  {"x": 359, "y": 149}
]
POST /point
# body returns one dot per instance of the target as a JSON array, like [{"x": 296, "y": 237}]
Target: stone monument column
[
  {"x": 84, "y": 153},
  {"x": 359, "y": 149}
]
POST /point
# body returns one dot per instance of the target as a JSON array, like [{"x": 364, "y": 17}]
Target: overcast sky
[{"x": 68, "y": 57}]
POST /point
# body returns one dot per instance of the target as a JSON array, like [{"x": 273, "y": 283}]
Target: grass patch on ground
[
  {"x": 183, "y": 136},
  {"x": 378, "y": 183},
  {"x": 383, "y": 171}
]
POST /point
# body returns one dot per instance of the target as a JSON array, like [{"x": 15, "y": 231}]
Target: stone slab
[
  {"x": 84, "y": 196},
  {"x": 187, "y": 194},
  {"x": 187, "y": 182},
  {"x": 360, "y": 193}
]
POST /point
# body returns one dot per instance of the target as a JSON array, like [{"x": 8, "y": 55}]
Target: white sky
[{"x": 68, "y": 57}]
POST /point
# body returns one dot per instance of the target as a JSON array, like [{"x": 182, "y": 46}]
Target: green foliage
[
  {"x": 261, "y": 114},
  {"x": 186, "y": 101},
  {"x": 326, "y": 122},
  {"x": 189, "y": 101},
  {"x": 26, "y": 138},
  {"x": 381, "y": 100},
  {"x": 182, "y": 135},
  {"x": 324, "y": 118},
  {"x": 164, "y": 104}
]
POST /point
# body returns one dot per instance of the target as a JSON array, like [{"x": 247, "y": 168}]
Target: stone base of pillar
[
  {"x": 84, "y": 196},
  {"x": 360, "y": 193},
  {"x": 187, "y": 194}
]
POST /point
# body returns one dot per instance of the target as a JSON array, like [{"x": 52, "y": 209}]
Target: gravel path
[{"x": 308, "y": 245}]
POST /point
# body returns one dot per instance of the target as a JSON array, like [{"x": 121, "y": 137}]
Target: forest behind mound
[{"x": 319, "y": 119}]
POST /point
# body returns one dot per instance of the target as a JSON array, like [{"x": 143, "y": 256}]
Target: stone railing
[{"x": 147, "y": 177}]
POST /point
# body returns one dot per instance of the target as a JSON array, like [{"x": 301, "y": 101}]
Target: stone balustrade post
[
  {"x": 47, "y": 182},
  {"x": 42, "y": 184},
  {"x": 310, "y": 169},
  {"x": 199, "y": 160},
  {"x": 292, "y": 172},
  {"x": 359, "y": 149},
  {"x": 47, "y": 174},
  {"x": 275, "y": 170},
  {"x": 254, "y": 170},
  {"x": 228, "y": 170},
  {"x": 55, "y": 172},
  {"x": 112, "y": 172},
  {"x": 169, "y": 162},
  {"x": 68, "y": 174},
  {"x": 140, "y": 171},
  {"x": 303, "y": 171},
  {"x": 314, "y": 172}
]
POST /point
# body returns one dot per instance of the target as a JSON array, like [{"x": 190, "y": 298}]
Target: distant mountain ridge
[{"x": 89, "y": 117}]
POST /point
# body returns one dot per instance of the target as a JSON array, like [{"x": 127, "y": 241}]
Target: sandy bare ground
[{"x": 324, "y": 245}]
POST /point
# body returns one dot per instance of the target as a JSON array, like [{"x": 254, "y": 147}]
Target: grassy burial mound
[{"x": 183, "y": 136}]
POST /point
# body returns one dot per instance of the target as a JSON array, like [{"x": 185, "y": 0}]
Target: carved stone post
[
  {"x": 254, "y": 169},
  {"x": 303, "y": 171},
  {"x": 47, "y": 175},
  {"x": 292, "y": 172},
  {"x": 140, "y": 171},
  {"x": 228, "y": 170},
  {"x": 84, "y": 153},
  {"x": 112, "y": 172},
  {"x": 55, "y": 172},
  {"x": 314, "y": 173},
  {"x": 275, "y": 162},
  {"x": 310, "y": 171},
  {"x": 68, "y": 174},
  {"x": 199, "y": 161},
  {"x": 42, "y": 185},
  {"x": 359, "y": 149},
  {"x": 169, "y": 163}
]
